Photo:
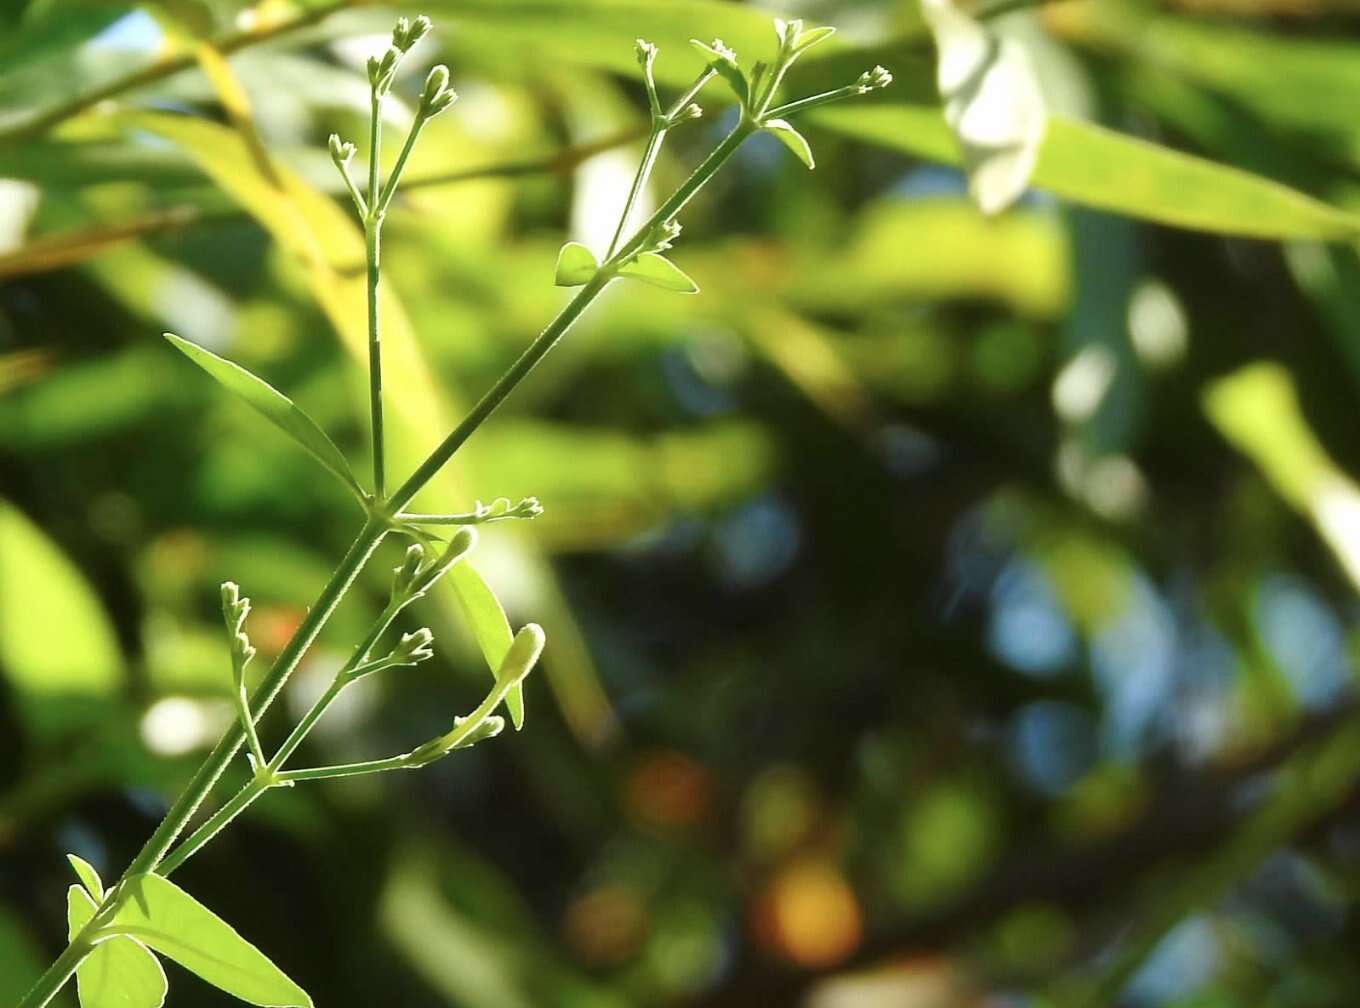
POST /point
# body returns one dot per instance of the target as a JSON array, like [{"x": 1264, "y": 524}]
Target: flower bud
[
  {"x": 436, "y": 95},
  {"x": 408, "y": 33},
  {"x": 413, "y": 648},
  {"x": 524, "y": 650},
  {"x": 460, "y": 545},
  {"x": 646, "y": 54},
  {"x": 872, "y": 80},
  {"x": 381, "y": 69},
  {"x": 406, "y": 572},
  {"x": 341, "y": 152}
]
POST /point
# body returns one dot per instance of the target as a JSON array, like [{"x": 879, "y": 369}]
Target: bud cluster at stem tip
[
  {"x": 436, "y": 96},
  {"x": 872, "y": 80}
]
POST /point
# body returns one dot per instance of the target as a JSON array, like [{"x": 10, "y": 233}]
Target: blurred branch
[
  {"x": 70, "y": 248},
  {"x": 167, "y": 66}
]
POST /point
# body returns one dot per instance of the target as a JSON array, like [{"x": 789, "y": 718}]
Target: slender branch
[
  {"x": 166, "y": 66},
  {"x": 373, "y": 244},
  {"x": 654, "y": 141}
]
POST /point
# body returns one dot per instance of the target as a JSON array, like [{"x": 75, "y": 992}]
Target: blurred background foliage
[{"x": 942, "y": 611}]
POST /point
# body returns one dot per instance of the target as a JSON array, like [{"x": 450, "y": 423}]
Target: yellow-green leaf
[
  {"x": 659, "y": 271},
  {"x": 89, "y": 878},
  {"x": 490, "y": 627},
  {"x": 274, "y": 406},
  {"x": 575, "y": 265},
  {"x": 120, "y": 972},
  {"x": 163, "y": 916},
  {"x": 1101, "y": 168},
  {"x": 793, "y": 140}
]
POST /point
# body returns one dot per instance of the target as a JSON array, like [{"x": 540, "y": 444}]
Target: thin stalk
[
  {"x": 215, "y": 824},
  {"x": 394, "y": 177},
  {"x": 655, "y": 139},
  {"x": 803, "y": 104},
  {"x": 402, "y": 762},
  {"x": 373, "y": 246}
]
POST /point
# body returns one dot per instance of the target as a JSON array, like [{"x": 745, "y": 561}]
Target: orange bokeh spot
[
  {"x": 607, "y": 925},
  {"x": 809, "y": 915},
  {"x": 668, "y": 788}
]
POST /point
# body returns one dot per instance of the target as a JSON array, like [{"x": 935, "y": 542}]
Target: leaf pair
[
  {"x": 577, "y": 265},
  {"x": 155, "y": 913}
]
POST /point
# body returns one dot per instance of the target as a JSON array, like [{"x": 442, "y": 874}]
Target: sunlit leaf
[
  {"x": 1257, "y": 409},
  {"x": 991, "y": 102},
  {"x": 723, "y": 62},
  {"x": 489, "y": 626},
  {"x": 575, "y": 265},
  {"x": 659, "y": 271},
  {"x": 274, "y": 406},
  {"x": 120, "y": 972},
  {"x": 89, "y": 878},
  {"x": 812, "y": 37},
  {"x": 1101, "y": 168},
  {"x": 164, "y": 917},
  {"x": 55, "y": 637},
  {"x": 793, "y": 140}
]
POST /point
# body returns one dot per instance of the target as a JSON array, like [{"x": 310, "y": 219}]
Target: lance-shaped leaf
[
  {"x": 991, "y": 102},
  {"x": 659, "y": 271},
  {"x": 793, "y": 140},
  {"x": 160, "y": 914},
  {"x": 575, "y": 265},
  {"x": 89, "y": 878},
  {"x": 120, "y": 972},
  {"x": 489, "y": 627},
  {"x": 274, "y": 406}
]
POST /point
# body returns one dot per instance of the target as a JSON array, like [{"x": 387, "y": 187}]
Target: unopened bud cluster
[
  {"x": 413, "y": 648},
  {"x": 235, "y": 609},
  {"x": 436, "y": 96},
  {"x": 342, "y": 152},
  {"x": 872, "y": 80}
]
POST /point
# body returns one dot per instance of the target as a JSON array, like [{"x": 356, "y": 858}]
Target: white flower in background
[{"x": 992, "y": 102}]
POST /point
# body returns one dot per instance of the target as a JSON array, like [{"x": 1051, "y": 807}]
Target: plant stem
[
  {"x": 373, "y": 244},
  {"x": 59, "y": 972},
  {"x": 655, "y": 138}
]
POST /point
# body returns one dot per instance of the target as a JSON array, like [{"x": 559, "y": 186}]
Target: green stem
[
  {"x": 803, "y": 104},
  {"x": 59, "y": 972},
  {"x": 401, "y": 762},
  {"x": 373, "y": 245},
  {"x": 214, "y": 825},
  {"x": 390, "y": 189},
  {"x": 655, "y": 138}
]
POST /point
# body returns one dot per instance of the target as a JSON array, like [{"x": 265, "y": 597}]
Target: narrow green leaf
[
  {"x": 163, "y": 916},
  {"x": 489, "y": 627},
  {"x": 576, "y": 264},
  {"x": 812, "y": 37},
  {"x": 274, "y": 406},
  {"x": 89, "y": 878},
  {"x": 659, "y": 271},
  {"x": 1098, "y": 167},
  {"x": 120, "y": 972},
  {"x": 793, "y": 140}
]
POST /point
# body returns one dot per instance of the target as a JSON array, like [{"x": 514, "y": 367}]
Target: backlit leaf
[
  {"x": 163, "y": 916},
  {"x": 659, "y": 271},
  {"x": 89, "y": 878},
  {"x": 575, "y": 265},
  {"x": 489, "y": 626},
  {"x": 120, "y": 972},
  {"x": 793, "y": 140},
  {"x": 274, "y": 406},
  {"x": 1098, "y": 167}
]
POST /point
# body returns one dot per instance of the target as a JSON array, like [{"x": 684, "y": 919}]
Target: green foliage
[
  {"x": 119, "y": 972},
  {"x": 274, "y": 406},
  {"x": 161, "y": 915},
  {"x": 793, "y": 529}
]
